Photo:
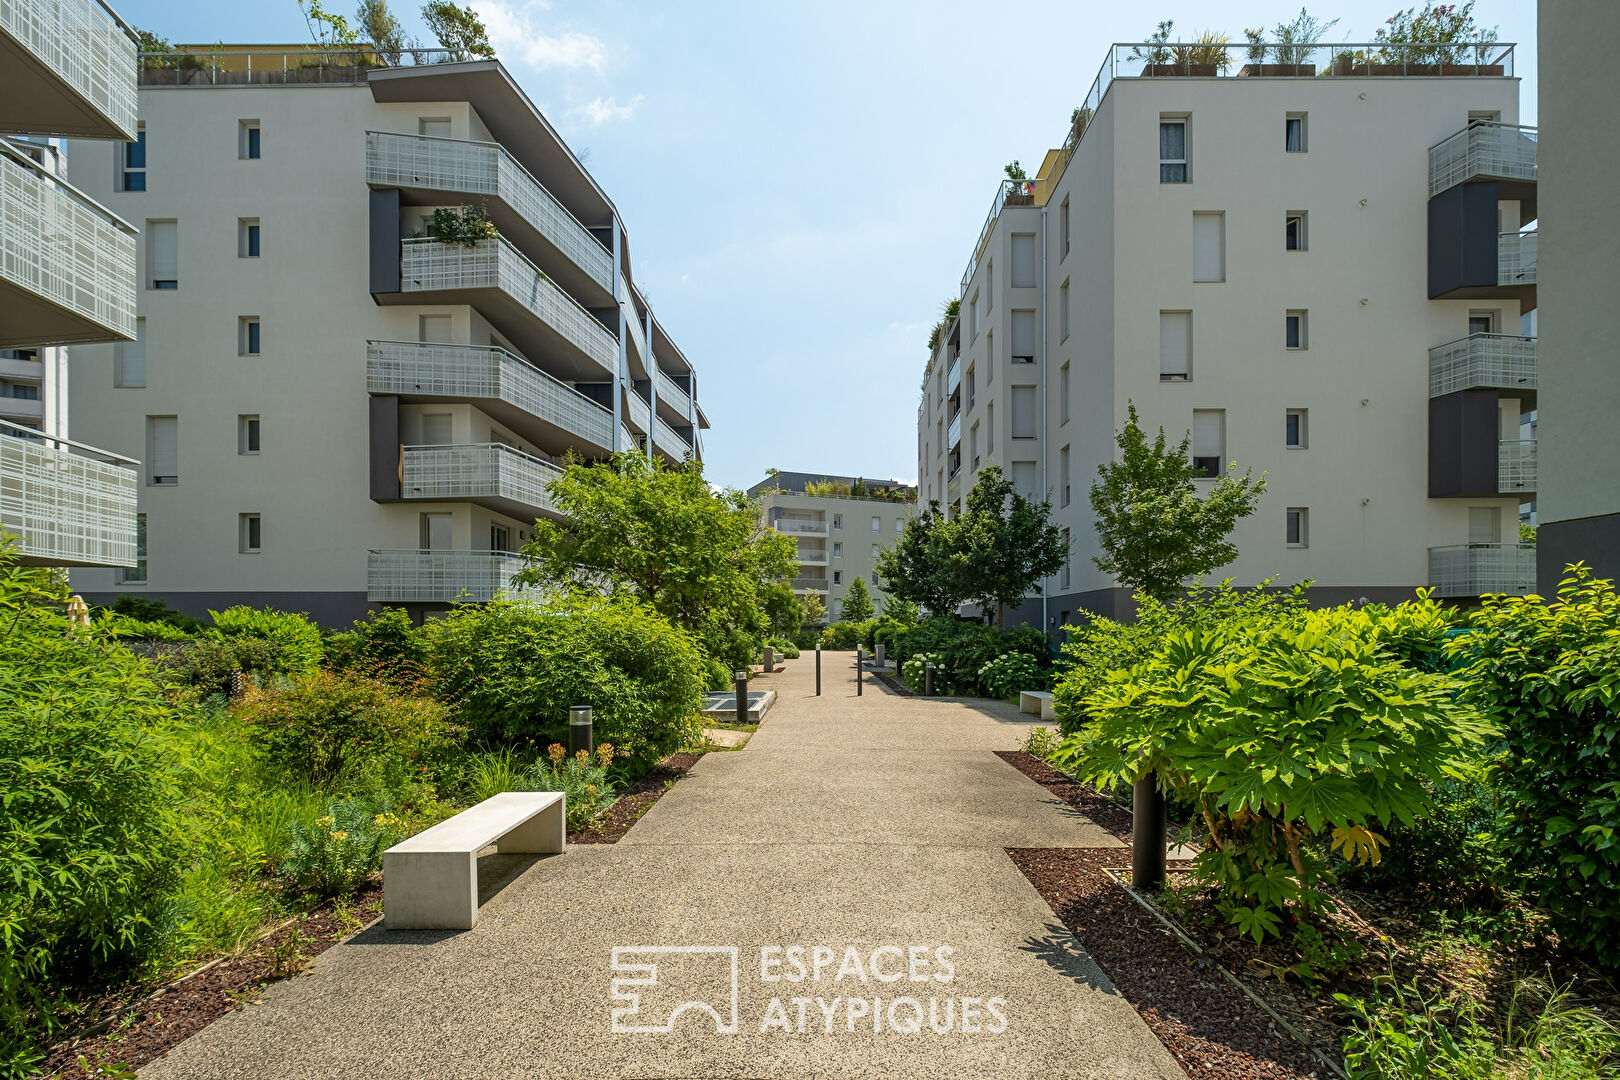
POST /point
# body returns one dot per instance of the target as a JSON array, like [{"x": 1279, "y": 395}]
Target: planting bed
[{"x": 635, "y": 801}]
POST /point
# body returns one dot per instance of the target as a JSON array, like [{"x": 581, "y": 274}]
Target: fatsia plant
[{"x": 1280, "y": 730}]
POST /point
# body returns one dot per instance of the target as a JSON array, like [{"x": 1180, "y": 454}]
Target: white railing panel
[
  {"x": 668, "y": 439},
  {"x": 1477, "y": 569},
  {"x": 477, "y": 471},
  {"x": 83, "y": 44},
  {"x": 65, "y": 507},
  {"x": 441, "y": 577},
  {"x": 1516, "y": 466},
  {"x": 640, "y": 414},
  {"x": 1483, "y": 361},
  {"x": 1494, "y": 151},
  {"x": 1516, "y": 258},
  {"x": 669, "y": 390}
]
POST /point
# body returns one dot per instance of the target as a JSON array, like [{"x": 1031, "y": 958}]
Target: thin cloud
[
  {"x": 514, "y": 32},
  {"x": 600, "y": 111}
]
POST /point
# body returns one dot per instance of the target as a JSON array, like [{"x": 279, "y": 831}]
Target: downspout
[
  {"x": 1045, "y": 363},
  {"x": 652, "y": 381}
]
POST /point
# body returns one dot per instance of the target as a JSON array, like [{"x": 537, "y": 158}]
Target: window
[
  {"x": 129, "y": 358},
  {"x": 899, "y": 525},
  {"x": 1063, "y": 394},
  {"x": 1172, "y": 150},
  {"x": 838, "y": 521},
  {"x": 437, "y": 127},
  {"x": 247, "y": 140},
  {"x": 438, "y": 429},
  {"x": 837, "y": 610},
  {"x": 1023, "y": 478},
  {"x": 132, "y": 177},
  {"x": 1023, "y": 260},
  {"x": 1294, "y": 330},
  {"x": 1209, "y": 246},
  {"x": 1175, "y": 346},
  {"x": 438, "y": 532},
  {"x": 968, "y": 379},
  {"x": 1023, "y": 337},
  {"x": 1481, "y": 322},
  {"x": 877, "y": 524},
  {"x": 163, "y": 254},
  {"x": 989, "y": 287},
  {"x": 136, "y": 575},
  {"x": 500, "y": 537},
  {"x": 1063, "y": 574},
  {"x": 1483, "y": 116},
  {"x": 1063, "y": 477},
  {"x": 247, "y": 335},
  {"x": 1484, "y": 525},
  {"x": 875, "y": 578},
  {"x": 838, "y": 577},
  {"x": 162, "y": 450},
  {"x": 1063, "y": 230},
  {"x": 1294, "y": 231},
  {"x": 247, "y": 238},
  {"x": 838, "y": 549},
  {"x": 1294, "y": 429},
  {"x": 1209, "y": 441},
  {"x": 433, "y": 329},
  {"x": 1294, "y": 133},
  {"x": 1298, "y": 531},
  {"x": 247, "y": 434},
  {"x": 973, "y": 446},
  {"x": 249, "y": 532},
  {"x": 1063, "y": 312},
  {"x": 874, "y": 551},
  {"x": 990, "y": 428},
  {"x": 1023, "y": 412},
  {"x": 973, "y": 318}
]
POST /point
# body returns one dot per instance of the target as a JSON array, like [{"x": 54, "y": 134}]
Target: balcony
[
  {"x": 953, "y": 433},
  {"x": 800, "y": 527},
  {"x": 501, "y": 384},
  {"x": 639, "y": 413},
  {"x": 1477, "y": 569},
  {"x": 809, "y": 584},
  {"x": 669, "y": 440},
  {"x": 67, "y": 67},
  {"x": 498, "y": 477},
  {"x": 22, "y": 408},
  {"x": 68, "y": 504},
  {"x": 517, "y": 202},
  {"x": 953, "y": 488},
  {"x": 812, "y": 554},
  {"x": 1481, "y": 152},
  {"x": 953, "y": 375},
  {"x": 1516, "y": 467},
  {"x": 67, "y": 266},
  {"x": 1484, "y": 362},
  {"x": 670, "y": 392},
  {"x": 1516, "y": 258},
  {"x": 441, "y": 577},
  {"x": 504, "y": 285}
]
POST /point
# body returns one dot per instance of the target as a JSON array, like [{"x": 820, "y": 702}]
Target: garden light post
[
  {"x": 860, "y": 657},
  {"x": 579, "y": 729},
  {"x": 928, "y": 679},
  {"x": 1147, "y": 834},
  {"x": 879, "y": 651},
  {"x": 742, "y": 696},
  {"x": 818, "y": 669}
]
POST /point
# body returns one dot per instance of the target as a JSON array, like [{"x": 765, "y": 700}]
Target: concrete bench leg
[
  {"x": 545, "y": 833},
  {"x": 431, "y": 890}
]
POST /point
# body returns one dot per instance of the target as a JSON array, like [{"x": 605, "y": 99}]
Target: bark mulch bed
[
  {"x": 1211, "y": 1029},
  {"x": 635, "y": 801},
  {"x": 140, "y": 1026}
]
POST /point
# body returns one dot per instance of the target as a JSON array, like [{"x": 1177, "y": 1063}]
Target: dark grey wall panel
[
  {"x": 385, "y": 459},
  {"x": 1464, "y": 434},
  {"x": 385, "y": 241},
  {"x": 1592, "y": 540},
  {"x": 1462, "y": 238},
  {"x": 333, "y": 610}
]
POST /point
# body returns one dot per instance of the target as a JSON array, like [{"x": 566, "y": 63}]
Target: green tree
[
  {"x": 814, "y": 607},
  {"x": 1527, "y": 533},
  {"x": 1154, "y": 530},
  {"x": 857, "y": 602},
  {"x": 918, "y": 567},
  {"x": 329, "y": 31},
  {"x": 1014, "y": 170},
  {"x": 381, "y": 29},
  {"x": 784, "y": 610},
  {"x": 457, "y": 28},
  {"x": 695, "y": 554},
  {"x": 1002, "y": 543}
]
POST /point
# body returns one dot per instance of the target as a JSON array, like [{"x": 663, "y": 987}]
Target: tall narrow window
[
  {"x": 1023, "y": 337},
  {"x": 163, "y": 254},
  {"x": 990, "y": 428},
  {"x": 1294, "y": 238},
  {"x": 973, "y": 318},
  {"x": 838, "y": 521},
  {"x": 1023, "y": 478},
  {"x": 1063, "y": 230},
  {"x": 129, "y": 358},
  {"x": 500, "y": 537},
  {"x": 136, "y": 575},
  {"x": 1209, "y": 246},
  {"x": 247, "y": 238},
  {"x": 1023, "y": 412},
  {"x": 877, "y": 524},
  {"x": 132, "y": 177},
  {"x": 1023, "y": 260},
  {"x": 1209, "y": 441},
  {"x": 1484, "y": 525},
  {"x": 438, "y": 532},
  {"x": 1294, "y": 133},
  {"x": 989, "y": 287},
  {"x": 1172, "y": 150},
  {"x": 1298, "y": 529},
  {"x": 1175, "y": 346},
  {"x": 250, "y": 532},
  {"x": 1064, "y": 574},
  {"x": 162, "y": 450},
  {"x": 1063, "y": 394},
  {"x": 438, "y": 429},
  {"x": 247, "y": 434},
  {"x": 247, "y": 334},
  {"x": 1294, "y": 429},
  {"x": 838, "y": 577},
  {"x": 1063, "y": 312},
  {"x": 1481, "y": 322},
  {"x": 1294, "y": 330},
  {"x": 1063, "y": 477},
  {"x": 247, "y": 140}
]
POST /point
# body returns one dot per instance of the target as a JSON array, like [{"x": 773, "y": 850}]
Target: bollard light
[
  {"x": 579, "y": 729},
  {"x": 741, "y": 678},
  {"x": 860, "y": 659},
  {"x": 928, "y": 680},
  {"x": 818, "y": 669},
  {"x": 1148, "y": 822}
]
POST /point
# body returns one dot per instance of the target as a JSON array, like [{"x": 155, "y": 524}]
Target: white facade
[
  {"x": 1257, "y": 274},
  {"x": 337, "y": 414},
  {"x": 839, "y": 537}
]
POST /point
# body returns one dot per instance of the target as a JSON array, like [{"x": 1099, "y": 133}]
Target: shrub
[
  {"x": 1547, "y": 673},
  {"x": 841, "y": 635},
  {"x": 142, "y": 609},
  {"x": 583, "y": 778},
  {"x": 513, "y": 669},
  {"x": 382, "y": 646},
  {"x": 807, "y": 637},
  {"x": 716, "y": 676},
  {"x": 1010, "y": 673},
  {"x": 297, "y": 641},
  {"x": 1279, "y": 729},
  {"x": 1454, "y": 850},
  {"x": 784, "y": 648},
  {"x": 334, "y": 856},
  {"x": 1042, "y": 742},
  {"x": 915, "y": 672},
  {"x": 208, "y": 663},
  {"x": 321, "y": 728}
]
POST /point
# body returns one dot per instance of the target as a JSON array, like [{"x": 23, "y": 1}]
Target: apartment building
[
  {"x": 1317, "y": 265},
  {"x": 1578, "y": 509},
  {"x": 67, "y": 277},
  {"x": 841, "y": 524},
  {"x": 340, "y": 408}
]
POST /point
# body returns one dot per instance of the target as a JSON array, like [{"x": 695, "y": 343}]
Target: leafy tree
[
  {"x": 1014, "y": 170},
  {"x": 457, "y": 28},
  {"x": 918, "y": 567},
  {"x": 857, "y": 602},
  {"x": 662, "y": 534},
  {"x": 381, "y": 29},
  {"x": 1154, "y": 530},
  {"x": 1002, "y": 543},
  {"x": 784, "y": 610},
  {"x": 1436, "y": 33},
  {"x": 815, "y": 609},
  {"x": 1527, "y": 533},
  {"x": 328, "y": 30},
  {"x": 902, "y": 611}
]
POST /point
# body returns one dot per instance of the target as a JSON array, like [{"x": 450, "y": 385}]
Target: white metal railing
[
  {"x": 953, "y": 375},
  {"x": 1482, "y": 150},
  {"x": 1516, "y": 258},
  {"x": 67, "y": 503},
  {"x": 812, "y": 555},
  {"x": 1483, "y": 361},
  {"x": 639, "y": 412},
  {"x": 477, "y": 471},
  {"x": 86, "y": 45},
  {"x": 800, "y": 526},
  {"x": 32, "y": 408},
  {"x": 1477, "y": 569},
  {"x": 667, "y": 438},
  {"x": 430, "y": 265},
  {"x": 626, "y": 439},
  {"x": 670, "y": 390},
  {"x": 63, "y": 247},
  {"x": 485, "y": 371},
  {"x": 1008, "y": 193},
  {"x": 953, "y": 431},
  {"x": 485, "y": 168},
  {"x": 441, "y": 577},
  {"x": 1516, "y": 466},
  {"x": 953, "y": 487},
  {"x": 803, "y": 584},
  {"x": 296, "y": 66}
]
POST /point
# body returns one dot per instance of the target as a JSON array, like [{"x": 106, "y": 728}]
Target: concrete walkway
[{"x": 871, "y": 826}]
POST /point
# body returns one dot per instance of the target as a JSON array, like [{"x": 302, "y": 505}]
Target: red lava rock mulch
[
  {"x": 144, "y": 1029},
  {"x": 1211, "y": 1029},
  {"x": 635, "y": 801}
]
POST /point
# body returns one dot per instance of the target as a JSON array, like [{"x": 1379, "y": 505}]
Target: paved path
[{"x": 874, "y": 823}]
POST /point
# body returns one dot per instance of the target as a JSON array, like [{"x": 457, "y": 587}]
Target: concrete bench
[
  {"x": 1036, "y": 702},
  {"x": 430, "y": 882}
]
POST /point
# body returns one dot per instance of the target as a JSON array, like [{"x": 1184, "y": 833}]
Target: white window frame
[
  {"x": 1300, "y": 526},
  {"x": 249, "y": 434},
  {"x": 246, "y": 526},
  {"x": 249, "y": 234},
  {"x": 1303, "y": 232},
  {"x": 1302, "y": 429},
  {"x": 1303, "y": 338},
  {"x": 1219, "y": 217},
  {"x": 245, "y": 148},
  {"x": 249, "y": 336},
  {"x": 1289, "y": 119},
  {"x": 1185, "y": 161}
]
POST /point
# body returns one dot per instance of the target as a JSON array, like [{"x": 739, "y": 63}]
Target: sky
[{"x": 802, "y": 183}]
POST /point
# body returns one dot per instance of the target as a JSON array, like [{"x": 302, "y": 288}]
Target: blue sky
[{"x": 802, "y": 183}]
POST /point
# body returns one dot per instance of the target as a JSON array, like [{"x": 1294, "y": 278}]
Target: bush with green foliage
[
  {"x": 1011, "y": 673},
  {"x": 143, "y": 609},
  {"x": 297, "y": 641},
  {"x": 513, "y": 670},
  {"x": 208, "y": 663},
  {"x": 784, "y": 648},
  {"x": 857, "y": 606},
  {"x": 334, "y": 855},
  {"x": 385, "y": 646},
  {"x": 965, "y": 648},
  {"x": 1280, "y": 729},
  {"x": 843, "y": 635},
  {"x": 1549, "y": 674},
  {"x": 583, "y": 778},
  {"x": 915, "y": 672}
]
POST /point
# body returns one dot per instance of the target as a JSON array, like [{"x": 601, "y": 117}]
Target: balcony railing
[
  {"x": 1482, "y": 151},
  {"x": 89, "y": 50},
  {"x": 953, "y": 487},
  {"x": 1008, "y": 193},
  {"x": 1516, "y": 466},
  {"x": 668, "y": 439},
  {"x": 430, "y": 265},
  {"x": 800, "y": 527},
  {"x": 1516, "y": 258},
  {"x": 68, "y": 504},
  {"x": 805, "y": 584},
  {"x": 1482, "y": 362},
  {"x": 812, "y": 556},
  {"x": 485, "y": 372},
  {"x": 31, "y": 408},
  {"x": 640, "y": 413},
  {"x": 1477, "y": 569},
  {"x": 59, "y": 246},
  {"x": 480, "y": 472},
  {"x": 953, "y": 375},
  {"x": 309, "y": 66},
  {"x": 484, "y": 168},
  {"x": 441, "y": 577},
  {"x": 953, "y": 432},
  {"x": 669, "y": 390}
]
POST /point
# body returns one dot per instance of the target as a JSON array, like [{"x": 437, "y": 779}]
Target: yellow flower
[
  {"x": 324, "y": 822},
  {"x": 557, "y": 753},
  {"x": 591, "y": 788},
  {"x": 583, "y": 757},
  {"x": 340, "y": 836},
  {"x": 604, "y": 754}
]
